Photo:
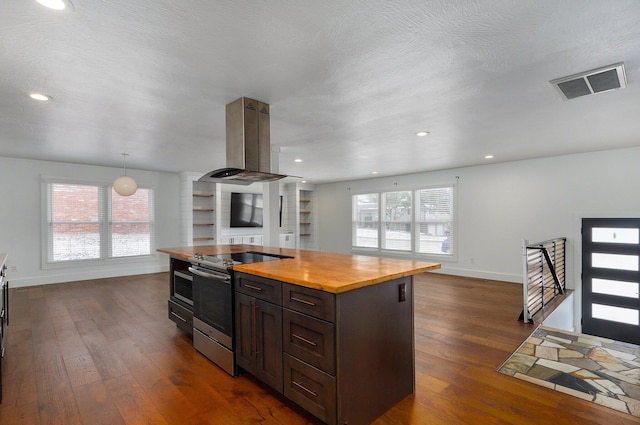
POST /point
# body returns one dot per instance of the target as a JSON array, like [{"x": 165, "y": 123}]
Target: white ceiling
[{"x": 349, "y": 82}]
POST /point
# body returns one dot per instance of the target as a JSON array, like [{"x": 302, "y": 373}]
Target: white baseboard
[
  {"x": 73, "y": 276},
  {"x": 480, "y": 274}
]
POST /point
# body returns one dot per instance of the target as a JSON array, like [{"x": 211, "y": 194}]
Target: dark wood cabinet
[
  {"x": 309, "y": 332},
  {"x": 259, "y": 287},
  {"x": 309, "y": 301},
  {"x": 4, "y": 316},
  {"x": 259, "y": 336},
  {"x": 181, "y": 316},
  {"x": 310, "y": 340},
  {"x": 310, "y": 388},
  {"x": 344, "y": 358}
]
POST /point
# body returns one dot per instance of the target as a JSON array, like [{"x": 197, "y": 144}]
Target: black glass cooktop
[
  {"x": 226, "y": 260},
  {"x": 254, "y": 257}
]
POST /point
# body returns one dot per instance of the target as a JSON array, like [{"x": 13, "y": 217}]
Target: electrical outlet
[
  {"x": 402, "y": 292},
  {"x": 14, "y": 269}
]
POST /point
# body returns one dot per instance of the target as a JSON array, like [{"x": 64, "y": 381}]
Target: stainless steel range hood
[{"x": 248, "y": 145}]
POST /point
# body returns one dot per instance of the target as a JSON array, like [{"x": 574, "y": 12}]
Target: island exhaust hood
[{"x": 248, "y": 145}]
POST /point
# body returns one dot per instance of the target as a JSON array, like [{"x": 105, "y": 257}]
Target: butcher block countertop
[{"x": 329, "y": 272}]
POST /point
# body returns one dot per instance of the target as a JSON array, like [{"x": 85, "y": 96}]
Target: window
[
  {"x": 131, "y": 223},
  {"x": 415, "y": 221},
  {"x": 366, "y": 222},
  {"x": 397, "y": 221},
  {"x": 74, "y": 222},
  {"x": 87, "y": 221},
  {"x": 434, "y": 220}
]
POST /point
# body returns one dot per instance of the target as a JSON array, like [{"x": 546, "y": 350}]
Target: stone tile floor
[{"x": 595, "y": 369}]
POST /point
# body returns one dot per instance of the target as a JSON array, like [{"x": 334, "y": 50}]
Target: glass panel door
[{"x": 611, "y": 278}]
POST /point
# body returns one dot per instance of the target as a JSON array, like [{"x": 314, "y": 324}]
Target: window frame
[
  {"x": 105, "y": 226},
  {"x": 414, "y": 224},
  {"x": 391, "y": 222},
  {"x": 355, "y": 221}
]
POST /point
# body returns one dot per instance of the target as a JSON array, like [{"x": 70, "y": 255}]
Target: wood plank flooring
[{"x": 104, "y": 352}]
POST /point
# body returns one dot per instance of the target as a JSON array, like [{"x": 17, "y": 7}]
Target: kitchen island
[{"x": 331, "y": 332}]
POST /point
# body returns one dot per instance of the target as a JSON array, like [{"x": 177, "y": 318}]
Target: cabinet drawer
[
  {"x": 259, "y": 287},
  {"x": 181, "y": 316},
  {"x": 315, "y": 303},
  {"x": 309, "y": 339},
  {"x": 312, "y": 389}
]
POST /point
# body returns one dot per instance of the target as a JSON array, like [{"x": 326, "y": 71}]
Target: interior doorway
[{"x": 611, "y": 278}]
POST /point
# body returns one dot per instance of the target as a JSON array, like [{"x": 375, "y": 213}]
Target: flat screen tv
[{"x": 246, "y": 210}]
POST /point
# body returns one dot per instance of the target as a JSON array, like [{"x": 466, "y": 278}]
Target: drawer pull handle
[
  {"x": 305, "y": 340},
  {"x": 300, "y": 300},
  {"x": 255, "y": 288},
  {"x": 302, "y": 387},
  {"x": 179, "y": 317}
]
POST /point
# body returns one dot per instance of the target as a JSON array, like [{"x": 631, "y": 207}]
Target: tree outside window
[{"x": 397, "y": 220}]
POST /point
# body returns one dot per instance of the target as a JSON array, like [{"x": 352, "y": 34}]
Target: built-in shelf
[
  {"x": 199, "y": 211},
  {"x": 305, "y": 225},
  {"x": 203, "y": 217}
]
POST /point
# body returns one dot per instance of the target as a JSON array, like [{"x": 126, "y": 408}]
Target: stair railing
[{"x": 543, "y": 275}]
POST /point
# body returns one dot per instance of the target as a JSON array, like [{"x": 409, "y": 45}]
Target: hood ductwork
[{"x": 248, "y": 130}]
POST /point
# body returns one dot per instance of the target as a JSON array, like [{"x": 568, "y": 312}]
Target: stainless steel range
[{"x": 213, "y": 329}]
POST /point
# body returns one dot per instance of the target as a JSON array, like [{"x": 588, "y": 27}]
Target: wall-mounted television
[{"x": 246, "y": 210}]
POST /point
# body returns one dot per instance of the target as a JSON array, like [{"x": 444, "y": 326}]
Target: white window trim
[
  {"x": 412, "y": 254},
  {"x": 44, "y": 254}
]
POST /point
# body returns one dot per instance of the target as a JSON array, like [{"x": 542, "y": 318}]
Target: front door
[{"x": 611, "y": 278}]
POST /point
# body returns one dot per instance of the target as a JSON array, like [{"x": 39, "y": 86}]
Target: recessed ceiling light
[
  {"x": 303, "y": 181},
  {"x": 297, "y": 160},
  {"x": 422, "y": 133},
  {"x": 374, "y": 172},
  {"x": 55, "y": 4},
  {"x": 488, "y": 157},
  {"x": 39, "y": 96}
]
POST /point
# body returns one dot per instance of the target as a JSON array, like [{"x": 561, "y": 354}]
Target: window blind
[
  {"x": 434, "y": 219},
  {"x": 366, "y": 221},
  {"x": 75, "y": 219},
  {"x": 397, "y": 220},
  {"x": 91, "y": 222},
  {"x": 418, "y": 221},
  {"x": 131, "y": 223}
]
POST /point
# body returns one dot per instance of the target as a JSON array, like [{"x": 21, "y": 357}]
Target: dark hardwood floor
[{"x": 104, "y": 352}]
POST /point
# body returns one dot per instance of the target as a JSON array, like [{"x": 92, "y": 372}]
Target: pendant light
[{"x": 125, "y": 185}]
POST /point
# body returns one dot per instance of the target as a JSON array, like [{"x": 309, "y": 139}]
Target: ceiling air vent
[{"x": 599, "y": 80}]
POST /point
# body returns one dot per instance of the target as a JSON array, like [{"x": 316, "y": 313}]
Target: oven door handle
[{"x": 223, "y": 277}]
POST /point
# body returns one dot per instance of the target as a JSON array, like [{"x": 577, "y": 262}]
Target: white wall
[
  {"x": 498, "y": 206},
  {"x": 501, "y": 204},
  {"x": 563, "y": 316},
  {"x": 20, "y": 215}
]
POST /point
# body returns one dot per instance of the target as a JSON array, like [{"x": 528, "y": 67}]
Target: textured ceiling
[{"x": 349, "y": 82}]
